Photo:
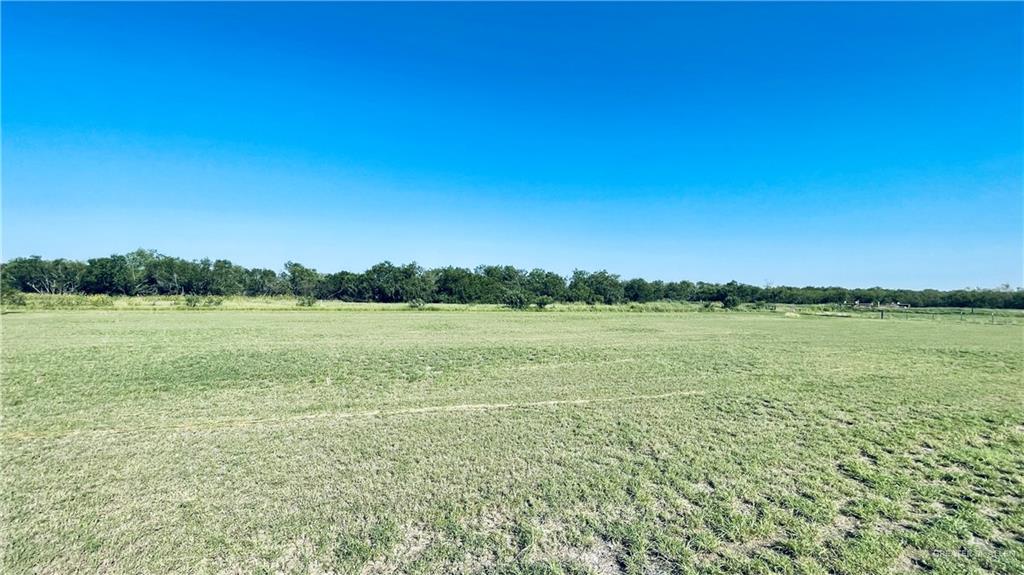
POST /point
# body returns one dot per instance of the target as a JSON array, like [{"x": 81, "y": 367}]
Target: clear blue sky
[{"x": 850, "y": 144}]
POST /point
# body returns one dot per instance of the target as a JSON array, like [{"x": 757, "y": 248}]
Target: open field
[
  {"x": 495, "y": 441},
  {"x": 32, "y": 301}
]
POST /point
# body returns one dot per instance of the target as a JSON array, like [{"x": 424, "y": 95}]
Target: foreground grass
[{"x": 424, "y": 442}]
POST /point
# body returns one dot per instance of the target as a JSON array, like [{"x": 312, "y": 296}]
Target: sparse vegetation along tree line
[{"x": 146, "y": 272}]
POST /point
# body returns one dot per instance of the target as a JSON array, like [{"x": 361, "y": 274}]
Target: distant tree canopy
[{"x": 145, "y": 272}]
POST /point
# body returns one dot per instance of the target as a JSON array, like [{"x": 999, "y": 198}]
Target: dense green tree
[
  {"x": 148, "y": 272},
  {"x": 177, "y": 276},
  {"x": 541, "y": 283},
  {"x": 643, "y": 291},
  {"x": 34, "y": 274},
  {"x": 303, "y": 281},
  {"x": 497, "y": 281},
  {"x": 264, "y": 282},
  {"x": 387, "y": 282},
  {"x": 680, "y": 291},
  {"x": 106, "y": 275},
  {"x": 345, "y": 286},
  {"x": 226, "y": 278},
  {"x": 458, "y": 285},
  {"x": 579, "y": 288},
  {"x": 138, "y": 266},
  {"x": 606, "y": 287}
]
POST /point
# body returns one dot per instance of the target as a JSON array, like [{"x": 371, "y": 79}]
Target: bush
[
  {"x": 730, "y": 302},
  {"x": 515, "y": 299},
  {"x": 192, "y": 300},
  {"x": 212, "y": 301},
  {"x": 416, "y": 303},
  {"x": 306, "y": 301},
  {"x": 70, "y": 301},
  {"x": 544, "y": 301},
  {"x": 12, "y": 297}
]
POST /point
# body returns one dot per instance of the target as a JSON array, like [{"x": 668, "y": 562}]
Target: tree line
[{"x": 146, "y": 272}]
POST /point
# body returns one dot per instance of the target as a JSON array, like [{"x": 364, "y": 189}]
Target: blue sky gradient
[{"x": 843, "y": 144}]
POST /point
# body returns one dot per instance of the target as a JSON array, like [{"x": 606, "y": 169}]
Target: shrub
[
  {"x": 212, "y": 301},
  {"x": 69, "y": 301},
  {"x": 12, "y": 297},
  {"x": 544, "y": 301},
  {"x": 416, "y": 303},
  {"x": 306, "y": 301},
  {"x": 730, "y": 302},
  {"x": 101, "y": 300},
  {"x": 515, "y": 299},
  {"x": 192, "y": 300}
]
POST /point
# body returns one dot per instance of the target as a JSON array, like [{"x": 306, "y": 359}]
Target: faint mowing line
[{"x": 251, "y": 422}]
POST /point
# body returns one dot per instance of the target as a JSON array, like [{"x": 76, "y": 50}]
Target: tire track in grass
[{"x": 215, "y": 425}]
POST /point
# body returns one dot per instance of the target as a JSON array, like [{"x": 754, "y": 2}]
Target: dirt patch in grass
[
  {"x": 601, "y": 558},
  {"x": 413, "y": 542}
]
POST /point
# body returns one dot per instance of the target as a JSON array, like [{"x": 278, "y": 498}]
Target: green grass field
[{"x": 223, "y": 441}]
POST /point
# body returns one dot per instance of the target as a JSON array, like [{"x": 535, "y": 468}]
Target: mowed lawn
[{"x": 481, "y": 442}]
